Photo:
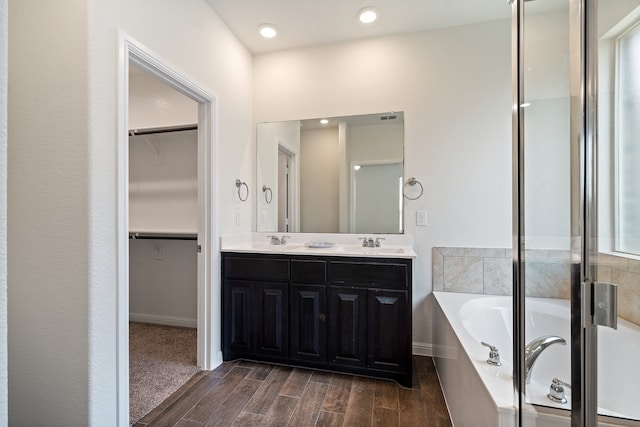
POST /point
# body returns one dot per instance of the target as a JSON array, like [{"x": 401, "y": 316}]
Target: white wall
[
  {"x": 50, "y": 328},
  {"x": 163, "y": 182},
  {"x": 154, "y": 104},
  {"x": 319, "y": 181},
  {"x": 3, "y": 212},
  {"x": 375, "y": 142},
  {"x": 269, "y": 137},
  {"x": 62, "y": 185},
  {"x": 454, "y": 86},
  {"x": 163, "y": 282},
  {"x": 547, "y": 149},
  {"x": 163, "y": 197}
]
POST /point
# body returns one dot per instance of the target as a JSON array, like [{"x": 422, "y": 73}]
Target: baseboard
[
  {"x": 422, "y": 349},
  {"x": 163, "y": 320}
]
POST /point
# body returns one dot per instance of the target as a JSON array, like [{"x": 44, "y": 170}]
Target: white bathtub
[{"x": 479, "y": 394}]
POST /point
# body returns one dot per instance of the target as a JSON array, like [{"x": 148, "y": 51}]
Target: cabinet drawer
[
  {"x": 308, "y": 271},
  {"x": 242, "y": 267},
  {"x": 370, "y": 274}
]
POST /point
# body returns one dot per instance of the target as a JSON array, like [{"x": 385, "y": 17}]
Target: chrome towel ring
[
  {"x": 268, "y": 194},
  {"x": 240, "y": 184},
  {"x": 412, "y": 182}
]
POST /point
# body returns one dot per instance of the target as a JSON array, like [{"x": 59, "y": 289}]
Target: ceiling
[{"x": 310, "y": 22}]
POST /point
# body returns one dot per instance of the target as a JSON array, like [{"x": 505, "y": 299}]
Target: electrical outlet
[{"x": 421, "y": 218}]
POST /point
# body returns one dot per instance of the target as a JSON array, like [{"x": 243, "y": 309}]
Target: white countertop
[{"x": 347, "y": 245}]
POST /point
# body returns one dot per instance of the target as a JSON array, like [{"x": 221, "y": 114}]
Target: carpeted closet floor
[{"x": 161, "y": 359}]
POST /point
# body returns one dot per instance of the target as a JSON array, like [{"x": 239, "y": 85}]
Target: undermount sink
[
  {"x": 357, "y": 249},
  {"x": 380, "y": 250},
  {"x": 270, "y": 247}
]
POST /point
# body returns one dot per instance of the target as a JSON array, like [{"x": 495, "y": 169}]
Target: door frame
[
  {"x": 209, "y": 351},
  {"x": 352, "y": 185},
  {"x": 293, "y": 196}
]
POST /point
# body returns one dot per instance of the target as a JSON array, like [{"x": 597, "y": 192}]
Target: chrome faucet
[
  {"x": 368, "y": 242},
  {"x": 535, "y": 349},
  {"x": 275, "y": 240},
  {"x": 278, "y": 241}
]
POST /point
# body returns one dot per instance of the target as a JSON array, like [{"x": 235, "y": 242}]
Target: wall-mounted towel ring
[
  {"x": 412, "y": 182},
  {"x": 268, "y": 194},
  {"x": 240, "y": 184}
]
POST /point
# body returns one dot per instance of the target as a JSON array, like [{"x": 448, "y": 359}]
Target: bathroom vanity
[{"x": 346, "y": 309}]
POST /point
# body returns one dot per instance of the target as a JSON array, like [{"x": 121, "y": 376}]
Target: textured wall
[
  {"x": 3, "y": 212},
  {"x": 48, "y": 213},
  {"x": 62, "y": 185}
]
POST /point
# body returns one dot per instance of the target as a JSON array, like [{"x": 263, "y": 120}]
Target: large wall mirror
[{"x": 331, "y": 175}]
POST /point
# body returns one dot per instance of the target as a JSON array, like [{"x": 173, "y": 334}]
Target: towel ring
[
  {"x": 267, "y": 198},
  {"x": 412, "y": 181},
  {"x": 239, "y": 184}
]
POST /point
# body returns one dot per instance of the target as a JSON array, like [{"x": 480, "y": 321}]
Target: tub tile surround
[
  {"x": 624, "y": 272},
  {"x": 489, "y": 271}
]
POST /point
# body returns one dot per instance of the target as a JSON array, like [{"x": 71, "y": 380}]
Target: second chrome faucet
[
  {"x": 370, "y": 243},
  {"x": 535, "y": 348}
]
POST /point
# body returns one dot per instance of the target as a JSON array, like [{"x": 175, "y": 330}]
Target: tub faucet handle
[
  {"x": 494, "y": 355},
  {"x": 556, "y": 391}
]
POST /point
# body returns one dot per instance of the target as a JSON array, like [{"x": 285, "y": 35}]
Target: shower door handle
[{"x": 605, "y": 304}]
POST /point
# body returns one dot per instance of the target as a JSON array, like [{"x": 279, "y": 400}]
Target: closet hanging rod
[
  {"x": 162, "y": 236},
  {"x": 166, "y": 129}
]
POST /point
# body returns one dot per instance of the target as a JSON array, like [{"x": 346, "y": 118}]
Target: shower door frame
[{"x": 584, "y": 233}]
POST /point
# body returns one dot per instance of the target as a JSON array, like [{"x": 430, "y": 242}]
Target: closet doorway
[{"x": 165, "y": 233}]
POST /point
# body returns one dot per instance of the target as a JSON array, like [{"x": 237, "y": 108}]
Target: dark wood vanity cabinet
[
  {"x": 348, "y": 328},
  {"x": 337, "y": 313},
  {"x": 257, "y": 318}
]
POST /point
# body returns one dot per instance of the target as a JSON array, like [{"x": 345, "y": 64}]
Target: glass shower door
[
  {"x": 577, "y": 212},
  {"x": 546, "y": 203},
  {"x": 615, "y": 54}
]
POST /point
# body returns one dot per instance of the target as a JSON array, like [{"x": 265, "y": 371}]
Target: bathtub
[{"x": 479, "y": 394}]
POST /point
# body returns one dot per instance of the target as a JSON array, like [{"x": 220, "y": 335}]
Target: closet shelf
[{"x": 163, "y": 235}]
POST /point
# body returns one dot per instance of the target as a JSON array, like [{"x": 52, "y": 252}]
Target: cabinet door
[
  {"x": 308, "y": 323},
  {"x": 272, "y": 319},
  {"x": 388, "y": 337},
  {"x": 347, "y": 328},
  {"x": 238, "y": 320}
]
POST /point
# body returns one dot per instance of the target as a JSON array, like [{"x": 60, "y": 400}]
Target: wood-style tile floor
[{"x": 256, "y": 394}]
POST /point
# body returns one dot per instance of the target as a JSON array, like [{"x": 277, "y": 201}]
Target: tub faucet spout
[{"x": 535, "y": 349}]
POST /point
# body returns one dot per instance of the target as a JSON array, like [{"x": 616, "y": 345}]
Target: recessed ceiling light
[
  {"x": 324, "y": 121},
  {"x": 268, "y": 31},
  {"x": 368, "y": 14}
]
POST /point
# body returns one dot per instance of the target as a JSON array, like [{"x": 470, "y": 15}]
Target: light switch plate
[
  {"x": 238, "y": 217},
  {"x": 421, "y": 218}
]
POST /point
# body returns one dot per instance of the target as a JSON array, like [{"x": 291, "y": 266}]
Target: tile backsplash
[
  {"x": 489, "y": 271},
  {"x": 625, "y": 273}
]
